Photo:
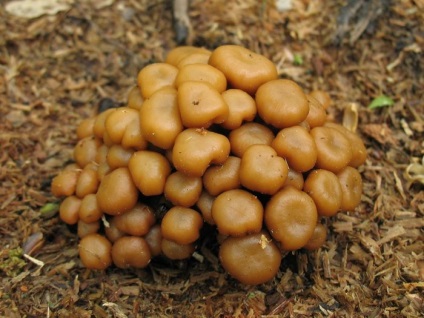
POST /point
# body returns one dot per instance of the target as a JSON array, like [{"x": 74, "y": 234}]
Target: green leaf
[
  {"x": 381, "y": 101},
  {"x": 49, "y": 210},
  {"x": 297, "y": 59}
]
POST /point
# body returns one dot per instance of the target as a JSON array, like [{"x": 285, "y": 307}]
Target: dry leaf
[{"x": 35, "y": 8}]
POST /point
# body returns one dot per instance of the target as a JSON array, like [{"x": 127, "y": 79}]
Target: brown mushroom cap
[
  {"x": 176, "y": 55},
  {"x": 262, "y": 170},
  {"x": 241, "y": 107},
  {"x": 181, "y": 225},
  {"x": 247, "y": 135},
  {"x": 282, "y": 103},
  {"x": 183, "y": 190},
  {"x": 253, "y": 259},
  {"x": 243, "y": 68},
  {"x": 112, "y": 232},
  {"x": 155, "y": 76},
  {"x": 69, "y": 209},
  {"x": 194, "y": 58},
  {"x": 322, "y": 97},
  {"x": 318, "y": 238},
  {"x": 316, "y": 115},
  {"x": 95, "y": 251},
  {"x": 218, "y": 179},
  {"x": 85, "y": 128},
  {"x": 237, "y": 212},
  {"x": 324, "y": 188},
  {"x": 136, "y": 221},
  {"x": 202, "y": 73},
  {"x": 131, "y": 251},
  {"x": 149, "y": 171},
  {"x": 64, "y": 184},
  {"x": 117, "y": 192},
  {"x": 351, "y": 183},
  {"x": 135, "y": 100},
  {"x": 87, "y": 182},
  {"x": 118, "y": 156},
  {"x": 291, "y": 217},
  {"x": 334, "y": 151},
  {"x": 359, "y": 152},
  {"x": 84, "y": 229},
  {"x": 294, "y": 179},
  {"x": 200, "y": 105},
  {"x": 204, "y": 204},
  {"x": 99, "y": 122},
  {"x": 85, "y": 150},
  {"x": 89, "y": 210},
  {"x": 163, "y": 105},
  {"x": 175, "y": 251},
  {"x": 195, "y": 149},
  {"x": 154, "y": 240},
  {"x": 297, "y": 146}
]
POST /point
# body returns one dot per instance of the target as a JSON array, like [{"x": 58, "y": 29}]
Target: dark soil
[{"x": 56, "y": 69}]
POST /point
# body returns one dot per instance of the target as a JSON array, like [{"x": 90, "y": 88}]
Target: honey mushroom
[
  {"x": 118, "y": 156},
  {"x": 351, "y": 184},
  {"x": 334, "y": 150},
  {"x": 149, "y": 171},
  {"x": 175, "y": 251},
  {"x": 131, "y": 251},
  {"x": 89, "y": 210},
  {"x": 202, "y": 73},
  {"x": 262, "y": 170},
  {"x": 359, "y": 152},
  {"x": 87, "y": 182},
  {"x": 117, "y": 192},
  {"x": 194, "y": 58},
  {"x": 195, "y": 149},
  {"x": 135, "y": 100},
  {"x": 241, "y": 107},
  {"x": 84, "y": 229},
  {"x": 294, "y": 179},
  {"x": 253, "y": 259},
  {"x": 237, "y": 213},
  {"x": 281, "y": 103},
  {"x": 154, "y": 240},
  {"x": 112, "y": 232},
  {"x": 247, "y": 135},
  {"x": 204, "y": 204},
  {"x": 200, "y": 105},
  {"x": 69, "y": 209},
  {"x": 181, "y": 225},
  {"x": 64, "y": 184},
  {"x": 291, "y": 217},
  {"x": 220, "y": 178},
  {"x": 95, "y": 251},
  {"x": 324, "y": 188},
  {"x": 317, "y": 239},
  {"x": 136, "y": 221},
  {"x": 85, "y": 128},
  {"x": 316, "y": 115},
  {"x": 85, "y": 150},
  {"x": 297, "y": 146},
  {"x": 322, "y": 97},
  {"x": 182, "y": 190},
  {"x": 156, "y": 76},
  {"x": 162, "y": 104},
  {"x": 178, "y": 54},
  {"x": 243, "y": 68}
]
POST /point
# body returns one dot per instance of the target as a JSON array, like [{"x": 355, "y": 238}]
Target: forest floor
[{"x": 54, "y": 71}]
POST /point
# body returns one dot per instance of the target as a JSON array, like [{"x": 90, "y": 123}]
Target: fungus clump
[{"x": 209, "y": 139}]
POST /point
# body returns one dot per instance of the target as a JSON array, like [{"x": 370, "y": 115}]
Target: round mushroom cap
[
  {"x": 64, "y": 184},
  {"x": 154, "y": 240},
  {"x": 175, "y": 251},
  {"x": 253, "y": 259},
  {"x": 316, "y": 115},
  {"x": 135, "y": 100},
  {"x": 247, "y": 135},
  {"x": 318, "y": 238},
  {"x": 176, "y": 55},
  {"x": 195, "y": 149},
  {"x": 69, "y": 209},
  {"x": 182, "y": 190},
  {"x": 243, "y": 68},
  {"x": 237, "y": 213},
  {"x": 351, "y": 184},
  {"x": 220, "y": 178},
  {"x": 95, "y": 251},
  {"x": 136, "y": 221},
  {"x": 181, "y": 225},
  {"x": 155, "y": 76},
  {"x": 202, "y": 73},
  {"x": 241, "y": 108},
  {"x": 85, "y": 150},
  {"x": 204, "y": 204},
  {"x": 84, "y": 229},
  {"x": 89, "y": 210},
  {"x": 334, "y": 150},
  {"x": 324, "y": 188},
  {"x": 322, "y": 97},
  {"x": 297, "y": 146},
  {"x": 291, "y": 217},
  {"x": 117, "y": 192},
  {"x": 282, "y": 103},
  {"x": 262, "y": 170},
  {"x": 131, "y": 251}
]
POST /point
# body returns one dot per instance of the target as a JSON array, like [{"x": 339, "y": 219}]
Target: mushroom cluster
[{"x": 217, "y": 138}]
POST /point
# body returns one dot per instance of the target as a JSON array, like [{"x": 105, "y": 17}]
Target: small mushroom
[{"x": 95, "y": 251}]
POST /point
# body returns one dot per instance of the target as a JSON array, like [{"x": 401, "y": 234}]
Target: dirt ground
[{"x": 56, "y": 69}]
